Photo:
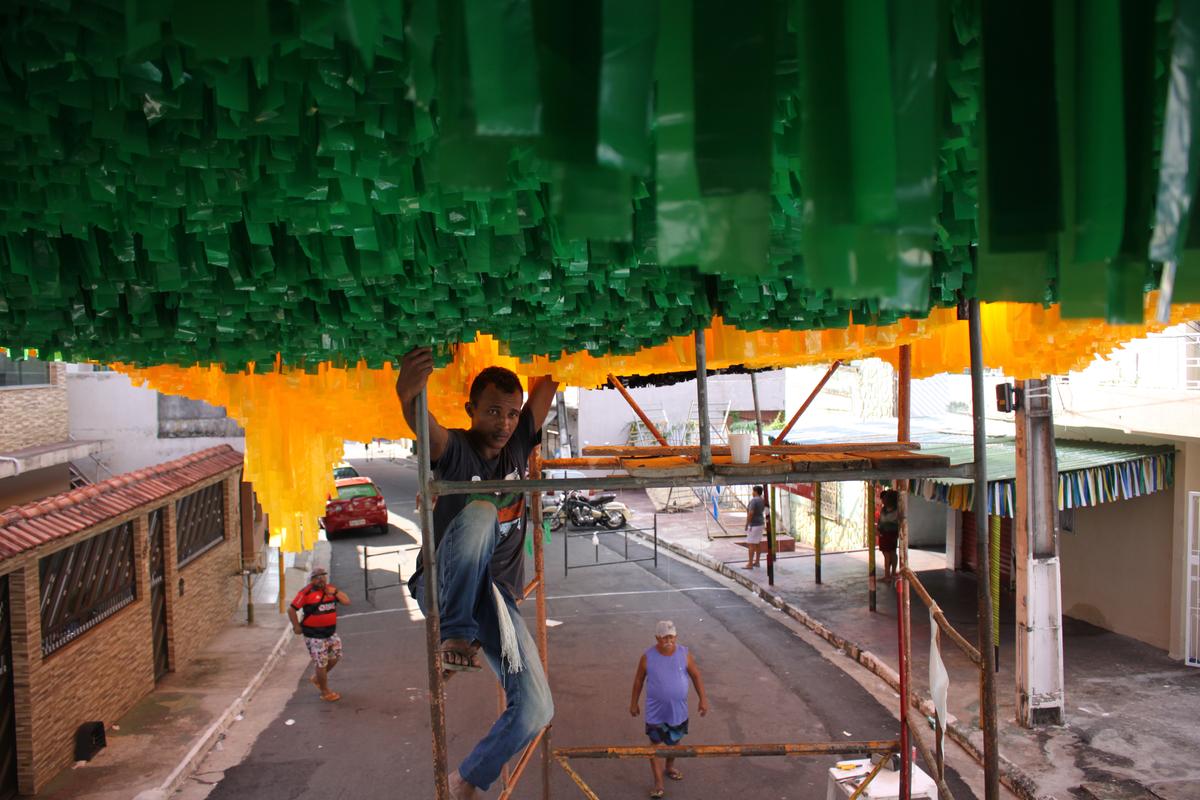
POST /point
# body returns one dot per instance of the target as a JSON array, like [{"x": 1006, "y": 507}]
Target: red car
[{"x": 357, "y": 506}]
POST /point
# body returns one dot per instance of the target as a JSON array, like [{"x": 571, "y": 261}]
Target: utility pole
[{"x": 1039, "y": 652}]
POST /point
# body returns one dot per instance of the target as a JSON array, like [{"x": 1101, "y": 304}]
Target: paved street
[{"x": 765, "y": 681}]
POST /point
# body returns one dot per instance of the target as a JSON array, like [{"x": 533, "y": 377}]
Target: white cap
[{"x": 664, "y": 628}]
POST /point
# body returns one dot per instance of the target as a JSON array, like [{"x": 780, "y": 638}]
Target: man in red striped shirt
[{"x": 319, "y": 601}]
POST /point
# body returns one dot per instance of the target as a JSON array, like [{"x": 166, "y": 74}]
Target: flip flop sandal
[
  {"x": 675, "y": 775},
  {"x": 658, "y": 793},
  {"x": 332, "y": 697},
  {"x": 460, "y": 656}
]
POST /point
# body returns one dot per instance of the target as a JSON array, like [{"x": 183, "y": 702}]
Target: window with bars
[
  {"x": 85, "y": 584},
  {"x": 199, "y": 523}
]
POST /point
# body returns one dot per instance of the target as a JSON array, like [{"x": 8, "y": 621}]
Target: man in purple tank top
[{"x": 664, "y": 670}]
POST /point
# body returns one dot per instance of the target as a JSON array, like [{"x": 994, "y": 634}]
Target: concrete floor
[{"x": 767, "y": 681}]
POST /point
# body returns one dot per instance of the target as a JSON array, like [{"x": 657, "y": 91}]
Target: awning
[
  {"x": 1089, "y": 473},
  {"x": 17, "y": 462}
]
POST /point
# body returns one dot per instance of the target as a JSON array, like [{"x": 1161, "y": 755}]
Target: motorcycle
[{"x": 587, "y": 512}]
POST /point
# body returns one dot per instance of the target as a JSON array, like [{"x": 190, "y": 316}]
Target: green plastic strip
[
  {"x": 1091, "y": 119},
  {"x": 503, "y": 67},
  {"x": 629, "y": 40},
  {"x": 1020, "y": 204},
  {"x": 679, "y": 213}
]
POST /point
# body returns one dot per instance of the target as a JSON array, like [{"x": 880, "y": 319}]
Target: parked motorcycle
[{"x": 588, "y": 512}]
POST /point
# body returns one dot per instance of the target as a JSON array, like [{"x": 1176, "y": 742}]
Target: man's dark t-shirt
[{"x": 460, "y": 462}]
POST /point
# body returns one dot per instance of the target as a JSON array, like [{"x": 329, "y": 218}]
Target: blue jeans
[{"x": 468, "y": 611}]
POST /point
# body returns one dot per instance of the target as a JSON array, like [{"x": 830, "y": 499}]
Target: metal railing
[
  {"x": 595, "y": 533},
  {"x": 367, "y": 555}
]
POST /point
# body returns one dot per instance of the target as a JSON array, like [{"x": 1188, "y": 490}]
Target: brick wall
[
  {"x": 35, "y": 415},
  {"x": 103, "y": 673},
  {"x": 99, "y": 676},
  {"x": 212, "y": 586}
]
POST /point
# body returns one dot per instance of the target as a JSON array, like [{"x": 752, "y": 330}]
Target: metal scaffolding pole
[
  {"x": 702, "y": 400},
  {"x": 817, "y": 532},
  {"x": 871, "y": 545},
  {"x": 539, "y": 568},
  {"x": 768, "y": 490},
  {"x": 905, "y": 685},
  {"x": 903, "y": 605},
  {"x": 433, "y": 626},
  {"x": 650, "y": 426},
  {"x": 991, "y": 757},
  {"x": 808, "y": 401}
]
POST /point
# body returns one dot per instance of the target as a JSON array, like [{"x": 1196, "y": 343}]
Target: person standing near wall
[
  {"x": 889, "y": 531},
  {"x": 755, "y": 525},
  {"x": 319, "y": 601}
]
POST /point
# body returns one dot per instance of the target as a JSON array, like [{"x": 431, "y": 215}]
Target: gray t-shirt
[
  {"x": 460, "y": 462},
  {"x": 755, "y": 508}
]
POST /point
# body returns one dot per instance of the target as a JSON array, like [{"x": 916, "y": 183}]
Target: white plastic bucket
[{"x": 739, "y": 447}]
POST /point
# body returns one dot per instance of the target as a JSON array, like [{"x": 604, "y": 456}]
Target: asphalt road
[{"x": 765, "y": 683}]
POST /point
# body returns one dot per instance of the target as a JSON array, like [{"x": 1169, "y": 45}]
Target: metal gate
[
  {"x": 158, "y": 593},
  {"x": 1192, "y": 611},
  {"x": 8, "y": 726}
]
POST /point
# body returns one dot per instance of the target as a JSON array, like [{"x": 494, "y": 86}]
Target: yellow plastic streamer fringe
[
  {"x": 1026, "y": 341},
  {"x": 296, "y": 422}
]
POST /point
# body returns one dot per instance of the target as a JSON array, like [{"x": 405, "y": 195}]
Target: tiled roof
[{"x": 25, "y": 527}]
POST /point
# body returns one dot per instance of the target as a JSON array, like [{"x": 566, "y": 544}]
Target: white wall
[
  {"x": 1116, "y": 567},
  {"x": 604, "y": 416},
  {"x": 1187, "y": 480},
  {"x": 927, "y": 522},
  {"x": 107, "y": 406}
]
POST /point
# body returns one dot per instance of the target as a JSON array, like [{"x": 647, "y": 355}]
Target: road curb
[
  {"x": 319, "y": 556},
  {"x": 1013, "y": 777}
]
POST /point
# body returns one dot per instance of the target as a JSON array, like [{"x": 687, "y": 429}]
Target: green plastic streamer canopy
[{"x": 221, "y": 181}]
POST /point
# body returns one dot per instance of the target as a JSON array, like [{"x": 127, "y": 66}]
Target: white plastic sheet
[{"x": 939, "y": 679}]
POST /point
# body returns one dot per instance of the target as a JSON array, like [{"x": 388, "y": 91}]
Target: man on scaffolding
[{"x": 480, "y": 542}]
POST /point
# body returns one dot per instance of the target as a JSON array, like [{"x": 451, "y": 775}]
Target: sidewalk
[
  {"x": 1131, "y": 728},
  {"x": 154, "y": 747}
]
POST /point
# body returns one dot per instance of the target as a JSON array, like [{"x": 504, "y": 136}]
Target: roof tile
[{"x": 26, "y": 527}]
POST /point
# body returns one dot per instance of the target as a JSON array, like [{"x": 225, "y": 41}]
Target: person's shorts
[
  {"x": 754, "y": 534},
  {"x": 322, "y": 650},
  {"x": 662, "y": 733},
  {"x": 888, "y": 540}
]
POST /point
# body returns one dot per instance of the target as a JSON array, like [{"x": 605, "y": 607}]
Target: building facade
[
  {"x": 104, "y": 590},
  {"x": 36, "y": 447}
]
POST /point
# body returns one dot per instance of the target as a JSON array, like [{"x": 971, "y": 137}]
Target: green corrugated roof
[{"x": 1072, "y": 455}]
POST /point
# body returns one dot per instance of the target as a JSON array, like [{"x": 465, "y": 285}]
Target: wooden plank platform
[
  {"x": 890, "y": 459},
  {"x": 814, "y": 462},
  {"x": 724, "y": 465},
  {"x": 662, "y": 467}
]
